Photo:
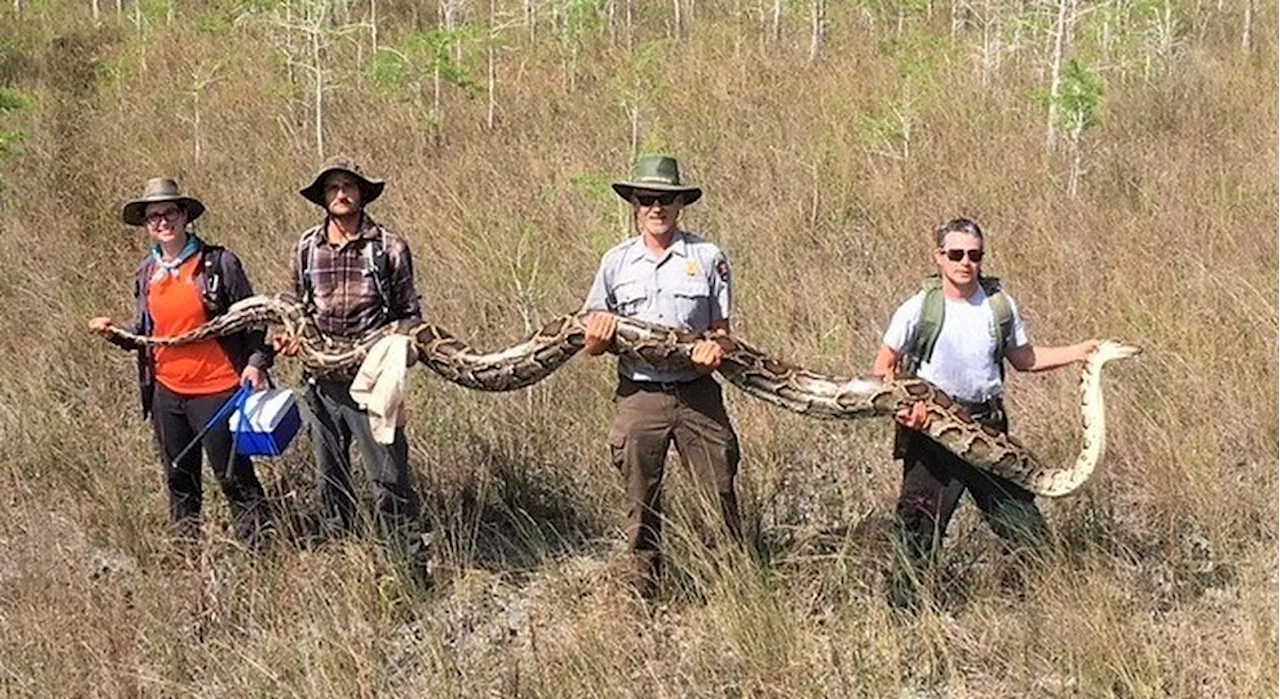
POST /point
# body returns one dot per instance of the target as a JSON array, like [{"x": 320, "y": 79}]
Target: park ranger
[{"x": 671, "y": 277}]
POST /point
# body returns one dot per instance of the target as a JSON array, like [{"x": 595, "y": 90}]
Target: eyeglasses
[
  {"x": 957, "y": 255},
  {"x": 169, "y": 215},
  {"x": 666, "y": 199}
]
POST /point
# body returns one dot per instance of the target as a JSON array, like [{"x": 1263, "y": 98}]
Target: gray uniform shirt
[{"x": 687, "y": 288}]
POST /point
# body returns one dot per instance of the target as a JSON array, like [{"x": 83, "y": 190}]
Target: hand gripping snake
[{"x": 785, "y": 385}]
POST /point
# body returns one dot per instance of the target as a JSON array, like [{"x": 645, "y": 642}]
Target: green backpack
[{"x": 934, "y": 309}]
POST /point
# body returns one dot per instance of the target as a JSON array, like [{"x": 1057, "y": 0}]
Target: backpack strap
[
  {"x": 306, "y": 262},
  {"x": 378, "y": 268},
  {"x": 141, "y": 288},
  {"x": 1002, "y": 317},
  {"x": 214, "y": 293},
  {"x": 213, "y": 289},
  {"x": 932, "y": 310},
  {"x": 1001, "y": 309}
]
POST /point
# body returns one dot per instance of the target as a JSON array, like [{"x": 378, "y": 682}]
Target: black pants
[
  {"x": 177, "y": 419},
  {"x": 933, "y": 479},
  {"x": 337, "y": 421}
]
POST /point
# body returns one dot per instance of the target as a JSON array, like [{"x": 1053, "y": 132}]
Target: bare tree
[
  {"x": 818, "y": 13},
  {"x": 204, "y": 75},
  {"x": 314, "y": 33},
  {"x": 450, "y": 10},
  {"x": 992, "y": 41},
  {"x": 1246, "y": 35},
  {"x": 492, "y": 85},
  {"x": 629, "y": 18},
  {"x": 1066, "y": 9},
  {"x": 313, "y": 22}
]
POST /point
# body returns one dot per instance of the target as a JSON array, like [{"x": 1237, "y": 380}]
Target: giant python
[{"x": 786, "y": 385}]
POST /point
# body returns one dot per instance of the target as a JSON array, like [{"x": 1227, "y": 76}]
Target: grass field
[{"x": 823, "y": 175}]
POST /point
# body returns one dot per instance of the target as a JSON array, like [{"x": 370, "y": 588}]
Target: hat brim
[
  {"x": 626, "y": 189},
  {"x": 134, "y": 213},
  {"x": 369, "y": 189}
]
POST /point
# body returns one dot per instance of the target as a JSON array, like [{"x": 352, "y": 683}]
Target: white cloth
[
  {"x": 379, "y": 386},
  {"x": 963, "y": 362}
]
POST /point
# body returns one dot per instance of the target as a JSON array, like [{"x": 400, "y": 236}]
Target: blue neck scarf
[{"x": 171, "y": 267}]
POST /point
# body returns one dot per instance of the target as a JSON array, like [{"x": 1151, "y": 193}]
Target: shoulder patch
[{"x": 722, "y": 269}]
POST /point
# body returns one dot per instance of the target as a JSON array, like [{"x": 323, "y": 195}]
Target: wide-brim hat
[
  {"x": 370, "y": 187},
  {"x": 156, "y": 191},
  {"x": 658, "y": 173}
]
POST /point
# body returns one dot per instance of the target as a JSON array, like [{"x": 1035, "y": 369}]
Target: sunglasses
[
  {"x": 650, "y": 199},
  {"x": 957, "y": 255},
  {"x": 169, "y": 215}
]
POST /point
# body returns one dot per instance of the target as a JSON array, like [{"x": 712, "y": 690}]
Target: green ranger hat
[{"x": 657, "y": 173}]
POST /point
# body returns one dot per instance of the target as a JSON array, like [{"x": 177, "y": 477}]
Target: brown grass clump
[{"x": 1164, "y": 579}]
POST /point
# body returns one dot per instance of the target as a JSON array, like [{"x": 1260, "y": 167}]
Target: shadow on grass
[{"x": 502, "y": 509}]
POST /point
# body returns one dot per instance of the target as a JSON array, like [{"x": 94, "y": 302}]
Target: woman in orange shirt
[{"x": 181, "y": 285}]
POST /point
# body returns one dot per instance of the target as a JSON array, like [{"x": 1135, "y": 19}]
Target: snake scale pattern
[{"x": 785, "y": 385}]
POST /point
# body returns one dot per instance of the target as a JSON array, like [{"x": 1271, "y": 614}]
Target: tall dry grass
[{"x": 1163, "y": 582}]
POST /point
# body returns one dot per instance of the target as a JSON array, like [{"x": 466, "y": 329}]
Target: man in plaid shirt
[{"x": 355, "y": 276}]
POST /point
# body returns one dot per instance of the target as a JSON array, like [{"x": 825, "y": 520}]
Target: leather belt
[
  {"x": 990, "y": 406},
  {"x": 661, "y": 386}
]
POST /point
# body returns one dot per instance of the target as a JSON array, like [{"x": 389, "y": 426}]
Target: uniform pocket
[
  {"x": 732, "y": 456},
  {"x": 628, "y": 297},
  {"x": 693, "y": 303},
  {"x": 617, "y": 451}
]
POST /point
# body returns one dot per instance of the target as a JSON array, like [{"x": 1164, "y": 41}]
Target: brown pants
[{"x": 649, "y": 418}]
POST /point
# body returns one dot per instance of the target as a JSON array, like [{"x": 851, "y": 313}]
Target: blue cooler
[{"x": 265, "y": 422}]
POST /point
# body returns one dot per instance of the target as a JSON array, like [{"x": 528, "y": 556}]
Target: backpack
[
  {"x": 932, "y": 312},
  {"x": 377, "y": 267}
]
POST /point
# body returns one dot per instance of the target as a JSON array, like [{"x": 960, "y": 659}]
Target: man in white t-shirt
[{"x": 956, "y": 333}]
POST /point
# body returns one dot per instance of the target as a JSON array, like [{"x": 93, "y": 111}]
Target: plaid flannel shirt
[{"x": 346, "y": 299}]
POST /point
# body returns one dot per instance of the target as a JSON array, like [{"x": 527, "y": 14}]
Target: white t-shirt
[{"x": 963, "y": 362}]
